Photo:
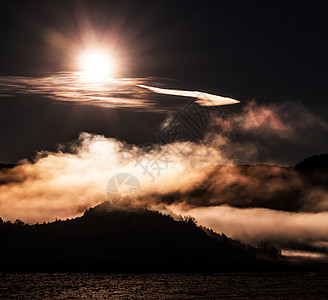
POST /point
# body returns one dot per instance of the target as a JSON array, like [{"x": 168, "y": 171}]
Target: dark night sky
[{"x": 270, "y": 51}]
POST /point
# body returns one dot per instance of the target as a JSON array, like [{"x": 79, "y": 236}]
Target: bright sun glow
[{"x": 96, "y": 65}]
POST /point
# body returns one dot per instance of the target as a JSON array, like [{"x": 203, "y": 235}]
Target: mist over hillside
[
  {"x": 110, "y": 239},
  {"x": 139, "y": 238}
]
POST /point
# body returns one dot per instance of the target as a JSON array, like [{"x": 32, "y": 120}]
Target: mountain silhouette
[
  {"x": 109, "y": 239},
  {"x": 7, "y": 166},
  {"x": 315, "y": 170},
  {"x": 316, "y": 163}
]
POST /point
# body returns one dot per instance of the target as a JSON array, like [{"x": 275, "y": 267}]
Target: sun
[{"x": 96, "y": 65}]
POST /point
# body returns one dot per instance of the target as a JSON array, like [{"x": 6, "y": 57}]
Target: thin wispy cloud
[
  {"x": 74, "y": 87},
  {"x": 108, "y": 92}
]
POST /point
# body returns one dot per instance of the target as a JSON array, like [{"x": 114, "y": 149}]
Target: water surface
[{"x": 164, "y": 286}]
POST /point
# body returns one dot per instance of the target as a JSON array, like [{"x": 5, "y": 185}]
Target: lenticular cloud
[{"x": 202, "y": 98}]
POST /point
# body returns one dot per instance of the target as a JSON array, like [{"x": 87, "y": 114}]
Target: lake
[{"x": 311, "y": 285}]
